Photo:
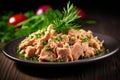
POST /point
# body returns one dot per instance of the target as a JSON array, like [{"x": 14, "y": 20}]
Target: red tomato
[
  {"x": 17, "y": 18},
  {"x": 81, "y": 13},
  {"x": 42, "y": 9}
]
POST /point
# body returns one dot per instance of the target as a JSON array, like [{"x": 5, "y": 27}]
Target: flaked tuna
[{"x": 52, "y": 46}]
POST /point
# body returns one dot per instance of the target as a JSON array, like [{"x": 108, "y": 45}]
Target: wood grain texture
[{"x": 108, "y": 69}]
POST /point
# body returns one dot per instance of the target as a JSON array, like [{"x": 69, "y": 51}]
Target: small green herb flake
[
  {"x": 38, "y": 35},
  {"x": 51, "y": 60},
  {"x": 48, "y": 48},
  {"x": 31, "y": 37},
  {"x": 54, "y": 39},
  {"x": 107, "y": 50},
  {"x": 26, "y": 58},
  {"x": 84, "y": 57},
  {"x": 44, "y": 42},
  {"x": 35, "y": 59},
  {"x": 60, "y": 37},
  {"x": 18, "y": 50},
  {"x": 21, "y": 55},
  {"x": 60, "y": 60},
  {"x": 84, "y": 40},
  {"x": 90, "y": 22},
  {"x": 99, "y": 52},
  {"x": 89, "y": 37}
]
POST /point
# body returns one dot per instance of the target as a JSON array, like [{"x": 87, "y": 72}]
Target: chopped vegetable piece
[
  {"x": 44, "y": 42},
  {"x": 84, "y": 57},
  {"x": 18, "y": 50},
  {"x": 107, "y": 50},
  {"x": 17, "y": 18},
  {"x": 60, "y": 60},
  {"x": 99, "y": 52},
  {"x": 48, "y": 48},
  {"x": 42, "y": 9},
  {"x": 35, "y": 59},
  {"x": 84, "y": 40},
  {"x": 51, "y": 60},
  {"x": 81, "y": 13},
  {"x": 38, "y": 35}
]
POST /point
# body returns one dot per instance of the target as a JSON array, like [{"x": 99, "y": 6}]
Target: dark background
[{"x": 22, "y": 5}]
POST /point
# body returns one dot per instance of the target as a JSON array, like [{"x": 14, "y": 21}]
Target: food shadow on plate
[{"x": 56, "y": 71}]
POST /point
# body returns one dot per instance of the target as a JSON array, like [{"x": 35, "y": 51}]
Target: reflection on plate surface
[{"x": 110, "y": 43}]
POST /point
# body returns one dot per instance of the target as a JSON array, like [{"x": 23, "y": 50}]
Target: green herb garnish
[
  {"x": 68, "y": 19},
  {"x": 89, "y": 37},
  {"x": 51, "y": 60},
  {"x": 18, "y": 50},
  {"x": 62, "y": 22},
  {"x": 84, "y": 40},
  {"x": 21, "y": 55},
  {"x": 59, "y": 38},
  {"x": 47, "y": 48},
  {"x": 38, "y": 35},
  {"x": 84, "y": 57},
  {"x": 44, "y": 42},
  {"x": 60, "y": 60},
  {"x": 107, "y": 50},
  {"x": 35, "y": 59},
  {"x": 99, "y": 52}
]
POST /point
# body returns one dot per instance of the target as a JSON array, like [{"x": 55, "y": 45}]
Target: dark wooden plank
[
  {"x": 9, "y": 71},
  {"x": 108, "y": 69}
]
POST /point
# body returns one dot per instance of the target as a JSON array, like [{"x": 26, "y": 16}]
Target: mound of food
[
  {"x": 51, "y": 46},
  {"x": 60, "y": 38}
]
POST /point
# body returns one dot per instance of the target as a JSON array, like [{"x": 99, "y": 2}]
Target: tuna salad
[
  {"x": 50, "y": 46},
  {"x": 59, "y": 38}
]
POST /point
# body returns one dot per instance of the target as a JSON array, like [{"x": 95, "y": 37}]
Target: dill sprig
[{"x": 68, "y": 19}]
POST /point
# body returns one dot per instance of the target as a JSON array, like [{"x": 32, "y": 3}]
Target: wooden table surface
[{"x": 105, "y": 69}]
